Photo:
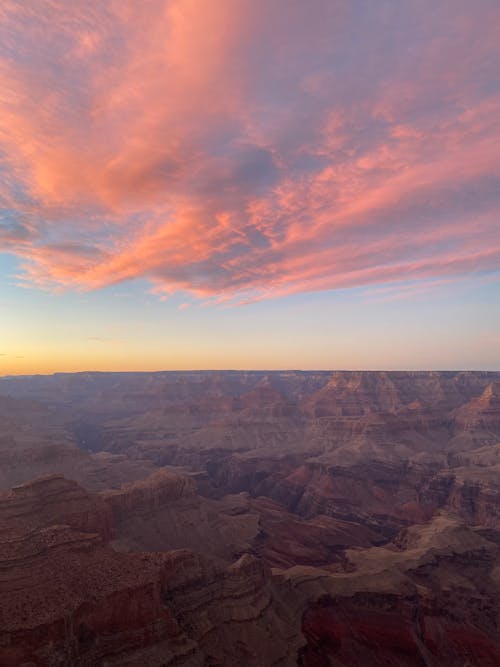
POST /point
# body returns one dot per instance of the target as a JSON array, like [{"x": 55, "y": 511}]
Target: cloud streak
[{"x": 241, "y": 150}]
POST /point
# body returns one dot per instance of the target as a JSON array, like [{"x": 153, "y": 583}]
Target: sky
[{"x": 249, "y": 184}]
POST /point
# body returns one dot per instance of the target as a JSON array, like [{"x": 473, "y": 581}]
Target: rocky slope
[
  {"x": 429, "y": 597},
  {"x": 68, "y": 598},
  {"x": 250, "y": 518}
]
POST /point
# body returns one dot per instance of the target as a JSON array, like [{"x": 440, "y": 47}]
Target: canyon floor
[{"x": 250, "y": 519}]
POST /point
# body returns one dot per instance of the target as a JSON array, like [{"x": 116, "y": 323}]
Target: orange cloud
[{"x": 237, "y": 151}]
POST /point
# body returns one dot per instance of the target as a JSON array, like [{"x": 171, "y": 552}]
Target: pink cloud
[{"x": 237, "y": 151}]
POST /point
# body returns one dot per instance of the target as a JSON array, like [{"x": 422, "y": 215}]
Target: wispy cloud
[
  {"x": 237, "y": 151},
  {"x": 405, "y": 291}
]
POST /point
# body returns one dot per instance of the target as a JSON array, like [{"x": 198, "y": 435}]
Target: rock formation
[
  {"x": 67, "y": 598},
  {"x": 250, "y": 518}
]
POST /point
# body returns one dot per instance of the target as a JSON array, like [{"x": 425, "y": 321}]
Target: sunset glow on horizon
[{"x": 246, "y": 184}]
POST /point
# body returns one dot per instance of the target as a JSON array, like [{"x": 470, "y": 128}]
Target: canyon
[{"x": 264, "y": 518}]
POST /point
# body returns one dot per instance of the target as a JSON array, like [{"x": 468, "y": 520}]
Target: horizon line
[{"x": 255, "y": 370}]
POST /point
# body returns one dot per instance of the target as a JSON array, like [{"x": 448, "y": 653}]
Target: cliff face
[
  {"x": 53, "y": 500},
  {"x": 482, "y": 412},
  {"x": 147, "y": 496},
  {"x": 66, "y": 597},
  {"x": 237, "y": 615},
  {"x": 68, "y": 600},
  {"x": 423, "y": 603},
  {"x": 346, "y": 444},
  {"x": 428, "y": 597},
  {"x": 391, "y": 630},
  {"x": 257, "y": 431},
  {"x": 320, "y": 519}
]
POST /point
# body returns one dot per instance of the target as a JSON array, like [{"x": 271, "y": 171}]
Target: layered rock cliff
[
  {"x": 428, "y": 597},
  {"x": 321, "y": 518},
  {"x": 68, "y": 598}
]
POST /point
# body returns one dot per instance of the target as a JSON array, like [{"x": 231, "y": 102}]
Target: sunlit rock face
[{"x": 250, "y": 518}]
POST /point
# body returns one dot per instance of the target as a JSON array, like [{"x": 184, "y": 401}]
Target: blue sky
[
  {"x": 249, "y": 184},
  {"x": 124, "y": 327}
]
